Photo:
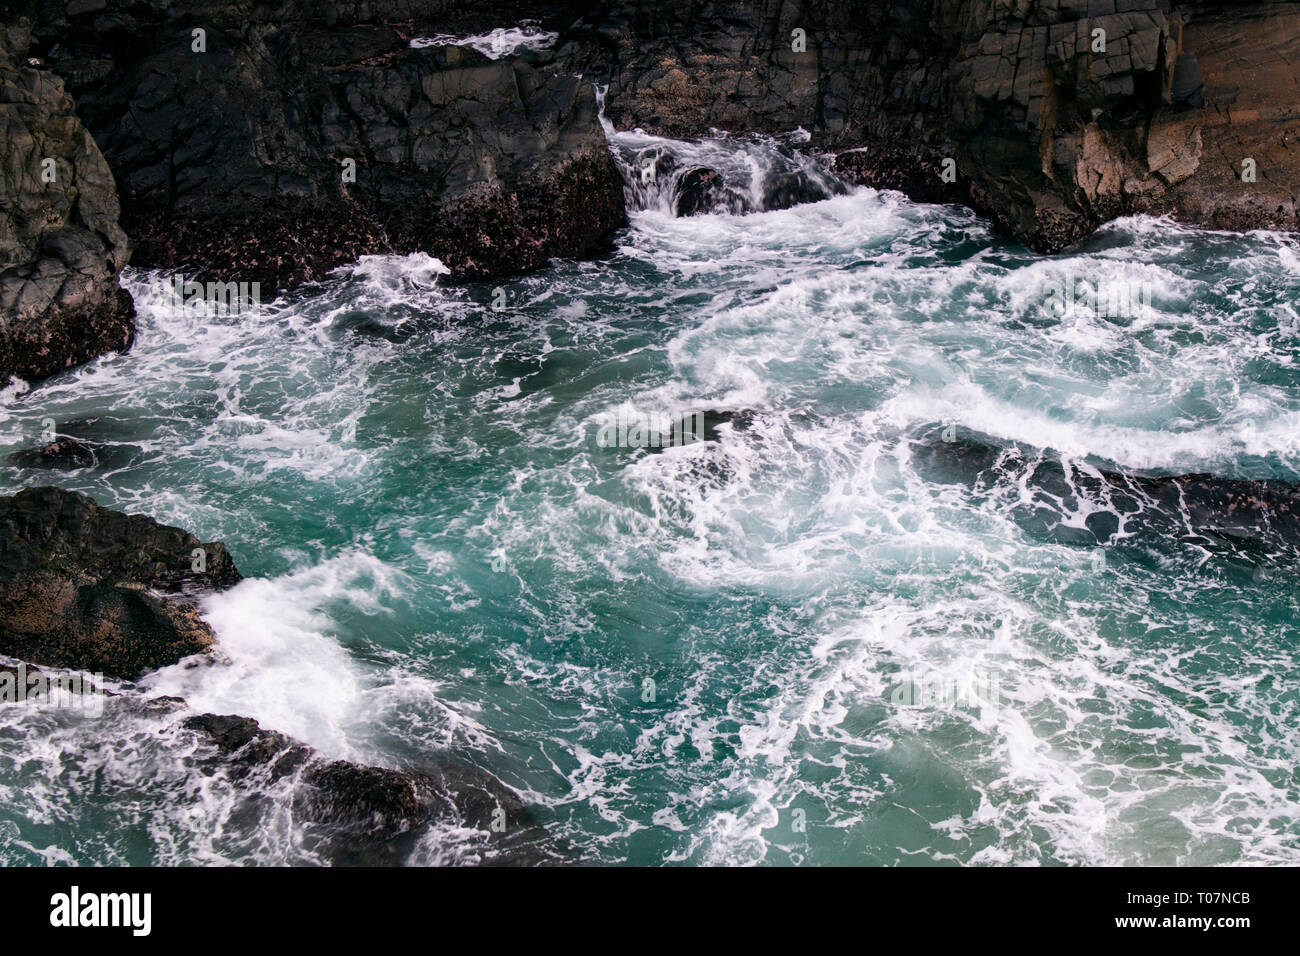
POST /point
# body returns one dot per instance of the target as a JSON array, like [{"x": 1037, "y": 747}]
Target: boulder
[
  {"x": 92, "y": 589},
  {"x": 361, "y": 805}
]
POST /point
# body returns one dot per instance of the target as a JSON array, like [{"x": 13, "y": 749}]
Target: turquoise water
[{"x": 443, "y": 558}]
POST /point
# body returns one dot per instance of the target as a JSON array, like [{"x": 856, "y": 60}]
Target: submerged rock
[
  {"x": 364, "y": 807},
  {"x": 701, "y": 190},
  {"x": 79, "y": 443},
  {"x": 783, "y": 190},
  {"x": 1234, "y": 514},
  {"x": 64, "y": 453},
  {"x": 97, "y": 590},
  {"x": 23, "y": 683}
]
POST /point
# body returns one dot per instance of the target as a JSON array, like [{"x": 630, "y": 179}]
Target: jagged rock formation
[
  {"x": 61, "y": 247},
  {"x": 1054, "y": 127},
  {"x": 1091, "y": 110},
  {"x": 90, "y": 589},
  {"x": 1230, "y": 515},
  {"x": 85, "y": 587},
  {"x": 367, "y": 803},
  {"x": 281, "y": 140},
  {"x": 279, "y": 143}
]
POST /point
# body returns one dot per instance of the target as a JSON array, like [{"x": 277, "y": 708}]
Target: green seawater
[{"x": 709, "y": 653}]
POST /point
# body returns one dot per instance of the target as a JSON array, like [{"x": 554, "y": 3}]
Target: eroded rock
[
  {"x": 93, "y": 589},
  {"x": 1057, "y": 115},
  {"x": 293, "y": 142},
  {"x": 1252, "y": 516},
  {"x": 61, "y": 247},
  {"x": 363, "y": 806}
]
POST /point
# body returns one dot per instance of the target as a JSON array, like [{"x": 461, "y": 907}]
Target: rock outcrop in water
[
  {"x": 1078, "y": 504},
  {"x": 361, "y": 804},
  {"x": 90, "y": 589},
  {"x": 97, "y": 590},
  {"x": 61, "y": 247}
]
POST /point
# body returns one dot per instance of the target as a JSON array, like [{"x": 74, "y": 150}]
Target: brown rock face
[
  {"x": 1058, "y": 114},
  {"x": 1070, "y": 113},
  {"x": 60, "y": 244},
  {"x": 84, "y": 587},
  {"x": 1248, "y": 59}
]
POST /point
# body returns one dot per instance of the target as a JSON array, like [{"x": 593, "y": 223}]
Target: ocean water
[{"x": 793, "y": 643}]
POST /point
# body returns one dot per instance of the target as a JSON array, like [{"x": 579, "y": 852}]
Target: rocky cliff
[
  {"x": 273, "y": 142},
  {"x": 1058, "y": 115},
  {"x": 61, "y": 247}
]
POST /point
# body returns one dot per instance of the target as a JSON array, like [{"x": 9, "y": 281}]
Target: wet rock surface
[
  {"x": 61, "y": 247},
  {"x": 373, "y": 803},
  {"x": 75, "y": 444},
  {"x": 89, "y": 588},
  {"x": 701, "y": 190},
  {"x": 1253, "y": 517},
  {"x": 63, "y": 454}
]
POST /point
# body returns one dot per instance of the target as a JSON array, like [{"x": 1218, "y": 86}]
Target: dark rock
[
  {"x": 63, "y": 453},
  {"x": 61, "y": 247},
  {"x": 97, "y": 590},
  {"x": 691, "y": 427},
  {"x": 1229, "y": 513},
  {"x": 894, "y": 166},
  {"x": 701, "y": 190},
  {"x": 79, "y": 443},
  {"x": 739, "y": 419},
  {"x": 783, "y": 190},
  {"x": 289, "y": 147},
  {"x": 369, "y": 802}
]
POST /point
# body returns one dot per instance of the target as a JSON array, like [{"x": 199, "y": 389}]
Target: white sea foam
[
  {"x": 442, "y": 556},
  {"x": 503, "y": 41}
]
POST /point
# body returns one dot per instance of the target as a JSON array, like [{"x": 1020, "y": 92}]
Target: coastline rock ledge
[
  {"x": 61, "y": 247},
  {"x": 98, "y": 590}
]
